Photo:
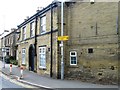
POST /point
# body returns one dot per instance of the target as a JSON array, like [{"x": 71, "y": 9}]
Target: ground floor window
[
  {"x": 23, "y": 55},
  {"x": 73, "y": 58},
  {"x": 42, "y": 57}
]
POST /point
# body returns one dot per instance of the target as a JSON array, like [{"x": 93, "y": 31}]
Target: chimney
[
  {"x": 39, "y": 9},
  {"x": 55, "y": 1},
  {"x": 26, "y": 18},
  {"x": 13, "y": 29}
]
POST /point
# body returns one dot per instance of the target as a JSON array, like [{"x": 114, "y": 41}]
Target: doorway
[{"x": 31, "y": 57}]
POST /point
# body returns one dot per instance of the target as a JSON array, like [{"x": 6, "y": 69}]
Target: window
[
  {"x": 92, "y": 1},
  {"x": 42, "y": 57},
  {"x": 7, "y": 51},
  {"x": 32, "y": 29},
  {"x": 73, "y": 58},
  {"x": 43, "y": 24},
  {"x": 90, "y": 50},
  {"x": 24, "y": 33},
  {"x": 23, "y": 55},
  {"x": 9, "y": 41}
]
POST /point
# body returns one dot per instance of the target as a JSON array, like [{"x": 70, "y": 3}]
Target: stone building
[
  {"x": 0, "y": 49},
  {"x": 9, "y": 42},
  {"x": 38, "y": 39},
  {"x": 92, "y": 51}
]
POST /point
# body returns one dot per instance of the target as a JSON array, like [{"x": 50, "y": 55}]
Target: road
[{"x": 7, "y": 84}]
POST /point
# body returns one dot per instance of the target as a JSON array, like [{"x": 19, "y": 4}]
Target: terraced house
[
  {"x": 38, "y": 39},
  {"x": 92, "y": 50},
  {"x": 9, "y": 42}
]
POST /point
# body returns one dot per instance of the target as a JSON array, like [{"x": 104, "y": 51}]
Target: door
[{"x": 31, "y": 58}]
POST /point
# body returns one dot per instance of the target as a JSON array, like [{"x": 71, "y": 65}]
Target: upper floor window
[
  {"x": 32, "y": 29},
  {"x": 8, "y": 41},
  {"x": 43, "y": 24},
  {"x": 11, "y": 40},
  {"x": 73, "y": 58},
  {"x": 24, "y": 33}
]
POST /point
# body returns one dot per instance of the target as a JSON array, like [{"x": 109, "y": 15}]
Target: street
[{"x": 7, "y": 84}]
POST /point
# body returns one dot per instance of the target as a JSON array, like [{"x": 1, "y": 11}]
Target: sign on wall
[{"x": 63, "y": 38}]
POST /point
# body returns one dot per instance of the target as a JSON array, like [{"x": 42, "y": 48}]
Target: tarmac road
[{"x": 7, "y": 84}]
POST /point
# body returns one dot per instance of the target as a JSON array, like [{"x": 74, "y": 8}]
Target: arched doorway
[{"x": 31, "y": 57}]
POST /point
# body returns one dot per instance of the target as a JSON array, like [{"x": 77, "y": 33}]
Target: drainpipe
[
  {"x": 117, "y": 24},
  {"x": 51, "y": 62},
  {"x": 62, "y": 53},
  {"x": 35, "y": 43}
]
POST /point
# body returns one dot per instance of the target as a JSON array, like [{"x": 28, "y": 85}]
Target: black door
[{"x": 31, "y": 58}]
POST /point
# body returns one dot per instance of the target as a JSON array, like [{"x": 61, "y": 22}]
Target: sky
[{"x": 13, "y": 12}]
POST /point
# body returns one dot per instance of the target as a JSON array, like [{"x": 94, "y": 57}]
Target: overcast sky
[{"x": 13, "y": 12}]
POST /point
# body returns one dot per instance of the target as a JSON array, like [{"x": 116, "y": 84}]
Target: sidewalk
[{"x": 46, "y": 82}]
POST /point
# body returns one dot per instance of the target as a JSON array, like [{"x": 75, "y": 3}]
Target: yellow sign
[{"x": 63, "y": 38}]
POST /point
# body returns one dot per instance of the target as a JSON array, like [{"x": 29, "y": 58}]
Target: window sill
[
  {"x": 23, "y": 64},
  {"x": 42, "y": 68},
  {"x": 43, "y": 33},
  {"x": 73, "y": 66}
]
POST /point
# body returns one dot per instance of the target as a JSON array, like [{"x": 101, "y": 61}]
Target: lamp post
[{"x": 3, "y": 48}]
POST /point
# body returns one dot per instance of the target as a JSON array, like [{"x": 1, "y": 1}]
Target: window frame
[
  {"x": 42, "y": 53},
  {"x": 23, "y": 53},
  {"x": 24, "y": 33},
  {"x": 32, "y": 29},
  {"x": 73, "y": 56},
  {"x": 42, "y": 24}
]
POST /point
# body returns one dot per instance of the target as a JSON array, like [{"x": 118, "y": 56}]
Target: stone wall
[
  {"x": 45, "y": 40},
  {"x": 24, "y": 45},
  {"x": 92, "y": 26}
]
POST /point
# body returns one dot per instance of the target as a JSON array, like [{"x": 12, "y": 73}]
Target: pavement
[{"x": 34, "y": 79}]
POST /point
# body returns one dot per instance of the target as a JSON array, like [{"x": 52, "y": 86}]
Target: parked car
[{"x": 7, "y": 60}]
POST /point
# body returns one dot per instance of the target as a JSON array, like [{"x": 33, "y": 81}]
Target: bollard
[
  {"x": 10, "y": 68},
  {"x": 21, "y": 72}
]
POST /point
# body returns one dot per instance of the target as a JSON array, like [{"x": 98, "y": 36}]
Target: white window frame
[
  {"x": 73, "y": 56},
  {"x": 43, "y": 24},
  {"x": 42, "y": 57},
  {"x": 24, "y": 33},
  {"x": 32, "y": 29},
  {"x": 23, "y": 56}
]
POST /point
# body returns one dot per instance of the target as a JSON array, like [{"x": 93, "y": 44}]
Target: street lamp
[{"x": 3, "y": 48}]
